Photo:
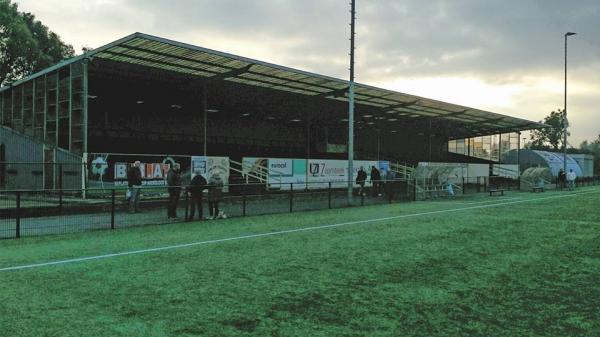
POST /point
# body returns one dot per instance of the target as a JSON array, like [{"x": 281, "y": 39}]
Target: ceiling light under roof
[
  {"x": 295, "y": 120},
  {"x": 394, "y": 131},
  {"x": 175, "y": 106},
  {"x": 139, "y": 102},
  {"x": 270, "y": 118},
  {"x": 391, "y": 112},
  {"x": 246, "y": 114},
  {"x": 367, "y": 116},
  {"x": 371, "y": 123},
  {"x": 212, "y": 110},
  {"x": 392, "y": 119}
]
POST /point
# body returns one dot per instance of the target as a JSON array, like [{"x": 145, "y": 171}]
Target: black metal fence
[{"x": 41, "y": 212}]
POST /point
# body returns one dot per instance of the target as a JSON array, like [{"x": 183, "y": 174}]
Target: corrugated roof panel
[{"x": 155, "y": 52}]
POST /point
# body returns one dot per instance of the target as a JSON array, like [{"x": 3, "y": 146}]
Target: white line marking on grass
[
  {"x": 489, "y": 201},
  {"x": 296, "y": 230}
]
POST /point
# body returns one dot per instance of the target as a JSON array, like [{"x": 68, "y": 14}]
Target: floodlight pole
[
  {"x": 565, "y": 109},
  {"x": 351, "y": 106}
]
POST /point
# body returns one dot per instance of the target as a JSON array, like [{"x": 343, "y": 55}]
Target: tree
[
  {"x": 550, "y": 138},
  {"x": 26, "y": 45},
  {"x": 592, "y": 148}
]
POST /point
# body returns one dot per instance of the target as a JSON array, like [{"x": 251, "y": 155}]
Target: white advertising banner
[
  {"x": 209, "y": 166},
  {"x": 323, "y": 171},
  {"x": 285, "y": 173},
  {"x": 312, "y": 174}
]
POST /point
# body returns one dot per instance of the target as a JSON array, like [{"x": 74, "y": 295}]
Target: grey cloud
[{"x": 497, "y": 41}]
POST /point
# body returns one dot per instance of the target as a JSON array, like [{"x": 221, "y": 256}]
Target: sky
[{"x": 502, "y": 56}]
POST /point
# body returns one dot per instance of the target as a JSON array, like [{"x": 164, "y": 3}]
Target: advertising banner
[
  {"x": 309, "y": 174},
  {"x": 283, "y": 172},
  {"x": 336, "y": 171},
  {"x": 209, "y": 166},
  {"x": 108, "y": 170}
]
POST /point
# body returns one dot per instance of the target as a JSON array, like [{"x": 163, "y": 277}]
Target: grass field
[{"x": 521, "y": 265}]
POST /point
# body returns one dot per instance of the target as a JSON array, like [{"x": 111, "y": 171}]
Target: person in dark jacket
[
  {"x": 389, "y": 186},
  {"x": 361, "y": 177},
  {"x": 376, "y": 181},
  {"x": 174, "y": 188},
  {"x": 197, "y": 185},
  {"x": 134, "y": 182},
  {"x": 215, "y": 193},
  {"x": 562, "y": 178}
]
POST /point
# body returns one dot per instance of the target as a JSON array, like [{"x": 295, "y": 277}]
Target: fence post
[
  {"x": 329, "y": 195},
  {"x": 18, "y": 216},
  {"x": 464, "y": 187},
  {"x": 291, "y": 196},
  {"x": 60, "y": 188},
  {"x": 112, "y": 209},
  {"x": 187, "y": 205},
  {"x": 415, "y": 190},
  {"x": 362, "y": 199},
  {"x": 244, "y": 200}
]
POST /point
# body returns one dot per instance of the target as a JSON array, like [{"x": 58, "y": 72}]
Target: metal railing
[
  {"x": 256, "y": 171},
  {"x": 41, "y": 212},
  {"x": 403, "y": 170}
]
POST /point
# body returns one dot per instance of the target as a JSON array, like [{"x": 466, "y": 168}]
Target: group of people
[
  {"x": 196, "y": 189},
  {"x": 379, "y": 185},
  {"x": 567, "y": 180}
]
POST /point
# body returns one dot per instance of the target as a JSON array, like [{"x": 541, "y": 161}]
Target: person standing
[
  {"x": 376, "y": 181},
  {"x": 174, "y": 188},
  {"x": 134, "y": 183},
  {"x": 197, "y": 186},
  {"x": 561, "y": 179},
  {"x": 571, "y": 176},
  {"x": 215, "y": 193},
  {"x": 361, "y": 177},
  {"x": 389, "y": 186}
]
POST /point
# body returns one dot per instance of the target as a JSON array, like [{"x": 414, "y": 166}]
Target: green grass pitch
[{"x": 499, "y": 266}]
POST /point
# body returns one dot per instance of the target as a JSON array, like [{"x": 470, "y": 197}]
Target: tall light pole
[
  {"x": 565, "y": 109},
  {"x": 351, "y": 106}
]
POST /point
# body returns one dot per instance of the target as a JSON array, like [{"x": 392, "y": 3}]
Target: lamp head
[{"x": 570, "y": 33}]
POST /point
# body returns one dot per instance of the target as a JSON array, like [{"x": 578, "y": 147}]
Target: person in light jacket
[
  {"x": 215, "y": 194},
  {"x": 571, "y": 176}
]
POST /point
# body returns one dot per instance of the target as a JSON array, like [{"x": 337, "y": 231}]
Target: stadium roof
[{"x": 155, "y": 52}]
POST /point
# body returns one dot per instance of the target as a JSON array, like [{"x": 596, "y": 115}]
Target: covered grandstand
[{"x": 148, "y": 95}]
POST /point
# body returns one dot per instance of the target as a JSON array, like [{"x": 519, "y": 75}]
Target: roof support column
[
  {"x": 378, "y": 144},
  {"x": 500, "y": 148},
  {"x": 429, "y": 139},
  {"x": 205, "y": 118},
  {"x": 519, "y": 153},
  {"x": 308, "y": 121}
]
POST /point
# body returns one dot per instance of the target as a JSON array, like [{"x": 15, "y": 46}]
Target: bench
[
  {"x": 496, "y": 191},
  {"x": 536, "y": 189}
]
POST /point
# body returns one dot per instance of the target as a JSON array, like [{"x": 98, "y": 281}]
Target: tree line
[{"x": 552, "y": 138}]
